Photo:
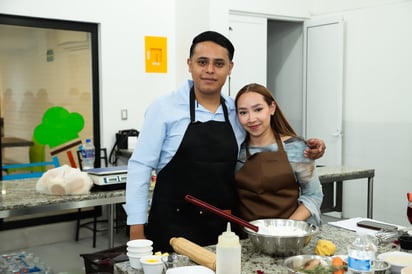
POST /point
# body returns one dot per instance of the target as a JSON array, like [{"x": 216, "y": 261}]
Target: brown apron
[{"x": 266, "y": 185}]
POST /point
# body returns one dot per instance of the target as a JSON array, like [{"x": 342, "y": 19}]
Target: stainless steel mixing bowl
[
  {"x": 296, "y": 263},
  {"x": 381, "y": 267},
  {"x": 278, "y": 245}
]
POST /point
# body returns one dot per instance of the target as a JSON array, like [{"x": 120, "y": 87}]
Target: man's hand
[{"x": 316, "y": 148}]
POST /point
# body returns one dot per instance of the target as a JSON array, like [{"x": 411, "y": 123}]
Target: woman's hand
[{"x": 316, "y": 148}]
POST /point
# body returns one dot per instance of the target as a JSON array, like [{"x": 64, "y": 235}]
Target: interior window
[{"x": 49, "y": 88}]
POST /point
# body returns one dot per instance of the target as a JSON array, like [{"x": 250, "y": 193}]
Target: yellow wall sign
[{"x": 156, "y": 54}]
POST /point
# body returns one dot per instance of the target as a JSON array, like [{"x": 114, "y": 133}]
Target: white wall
[
  {"x": 274, "y": 8},
  {"x": 331, "y": 6},
  {"x": 377, "y": 113}
]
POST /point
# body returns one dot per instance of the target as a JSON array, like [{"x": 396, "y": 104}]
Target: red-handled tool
[{"x": 221, "y": 212}]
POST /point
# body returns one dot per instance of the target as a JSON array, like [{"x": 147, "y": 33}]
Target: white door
[
  {"x": 323, "y": 77},
  {"x": 248, "y": 35}
]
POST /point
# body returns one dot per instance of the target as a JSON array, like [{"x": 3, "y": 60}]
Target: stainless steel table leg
[
  {"x": 110, "y": 221},
  {"x": 339, "y": 195},
  {"x": 370, "y": 198}
]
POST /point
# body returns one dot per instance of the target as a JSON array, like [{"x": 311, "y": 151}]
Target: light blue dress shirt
[
  {"x": 164, "y": 126},
  {"x": 311, "y": 194}
]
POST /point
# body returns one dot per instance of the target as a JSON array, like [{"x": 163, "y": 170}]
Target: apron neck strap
[
  {"x": 278, "y": 142},
  {"x": 192, "y": 106}
]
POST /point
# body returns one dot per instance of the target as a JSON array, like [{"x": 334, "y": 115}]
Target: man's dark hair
[{"x": 216, "y": 38}]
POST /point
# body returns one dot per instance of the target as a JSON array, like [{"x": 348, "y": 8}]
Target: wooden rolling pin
[{"x": 195, "y": 252}]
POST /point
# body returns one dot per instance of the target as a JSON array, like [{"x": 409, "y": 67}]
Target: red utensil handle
[{"x": 220, "y": 212}]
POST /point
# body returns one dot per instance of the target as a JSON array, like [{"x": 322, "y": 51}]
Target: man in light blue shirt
[{"x": 191, "y": 138}]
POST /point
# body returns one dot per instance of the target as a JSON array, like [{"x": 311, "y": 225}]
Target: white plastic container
[
  {"x": 88, "y": 155},
  {"x": 361, "y": 254},
  {"x": 228, "y": 253}
]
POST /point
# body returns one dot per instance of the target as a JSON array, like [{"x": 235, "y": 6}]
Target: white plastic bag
[{"x": 64, "y": 180}]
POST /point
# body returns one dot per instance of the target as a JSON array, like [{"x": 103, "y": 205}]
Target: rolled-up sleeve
[
  {"x": 144, "y": 159},
  {"x": 311, "y": 194}
]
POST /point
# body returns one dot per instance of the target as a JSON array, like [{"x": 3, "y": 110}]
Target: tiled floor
[{"x": 64, "y": 257}]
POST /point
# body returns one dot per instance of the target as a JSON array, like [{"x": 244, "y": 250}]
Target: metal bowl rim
[{"x": 312, "y": 229}]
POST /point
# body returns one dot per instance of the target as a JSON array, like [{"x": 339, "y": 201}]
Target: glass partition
[{"x": 49, "y": 89}]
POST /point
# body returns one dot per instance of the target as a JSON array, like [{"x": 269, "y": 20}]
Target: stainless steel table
[
  {"x": 19, "y": 197},
  {"x": 338, "y": 174},
  {"x": 127, "y": 153}
]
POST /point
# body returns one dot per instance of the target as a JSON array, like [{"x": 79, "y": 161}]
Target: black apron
[
  {"x": 203, "y": 167},
  {"x": 266, "y": 185}
]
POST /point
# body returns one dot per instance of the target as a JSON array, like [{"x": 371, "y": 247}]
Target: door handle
[{"x": 338, "y": 133}]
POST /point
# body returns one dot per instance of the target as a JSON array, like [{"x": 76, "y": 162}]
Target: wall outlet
[{"x": 123, "y": 114}]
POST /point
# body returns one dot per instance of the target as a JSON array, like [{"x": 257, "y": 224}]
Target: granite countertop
[
  {"x": 327, "y": 173},
  {"x": 253, "y": 260},
  {"x": 17, "y": 196}
]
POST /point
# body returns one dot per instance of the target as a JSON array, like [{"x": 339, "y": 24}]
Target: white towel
[{"x": 64, "y": 180}]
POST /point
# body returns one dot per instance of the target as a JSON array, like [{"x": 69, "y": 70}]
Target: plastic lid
[
  {"x": 88, "y": 140},
  {"x": 228, "y": 238}
]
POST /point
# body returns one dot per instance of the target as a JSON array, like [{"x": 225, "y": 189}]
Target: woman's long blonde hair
[{"x": 278, "y": 121}]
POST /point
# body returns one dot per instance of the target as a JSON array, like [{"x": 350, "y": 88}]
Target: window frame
[{"x": 92, "y": 28}]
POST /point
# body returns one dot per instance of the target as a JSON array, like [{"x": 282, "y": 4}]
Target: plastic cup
[
  {"x": 139, "y": 243},
  {"x": 134, "y": 259},
  {"x": 139, "y": 249},
  {"x": 152, "y": 264}
]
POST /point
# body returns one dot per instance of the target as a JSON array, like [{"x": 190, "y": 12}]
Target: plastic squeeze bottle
[{"x": 228, "y": 253}]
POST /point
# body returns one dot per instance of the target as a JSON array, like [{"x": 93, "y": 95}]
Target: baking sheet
[{"x": 350, "y": 224}]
